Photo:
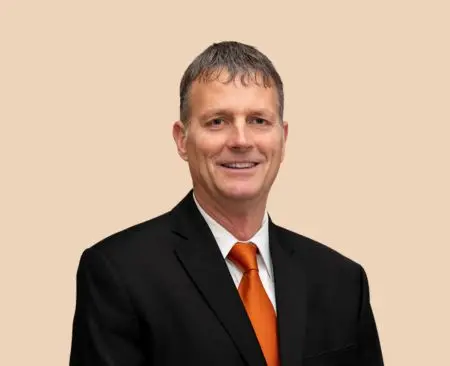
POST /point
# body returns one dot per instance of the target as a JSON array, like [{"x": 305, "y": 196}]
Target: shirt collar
[{"x": 225, "y": 240}]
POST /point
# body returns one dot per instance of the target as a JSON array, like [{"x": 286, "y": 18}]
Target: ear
[
  {"x": 179, "y": 133},
  {"x": 285, "y": 127}
]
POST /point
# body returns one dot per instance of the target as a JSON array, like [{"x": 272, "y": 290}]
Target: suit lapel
[
  {"x": 203, "y": 262},
  {"x": 290, "y": 292}
]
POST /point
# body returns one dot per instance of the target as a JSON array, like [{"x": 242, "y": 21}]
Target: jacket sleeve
[
  {"x": 105, "y": 328},
  {"x": 369, "y": 348}
]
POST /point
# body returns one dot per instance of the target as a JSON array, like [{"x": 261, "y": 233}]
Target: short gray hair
[{"x": 237, "y": 59}]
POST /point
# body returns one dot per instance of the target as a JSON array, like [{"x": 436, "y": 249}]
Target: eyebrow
[{"x": 263, "y": 112}]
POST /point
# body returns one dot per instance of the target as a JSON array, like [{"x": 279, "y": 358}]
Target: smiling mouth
[{"x": 246, "y": 165}]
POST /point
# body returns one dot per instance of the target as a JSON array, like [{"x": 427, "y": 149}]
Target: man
[{"x": 214, "y": 281}]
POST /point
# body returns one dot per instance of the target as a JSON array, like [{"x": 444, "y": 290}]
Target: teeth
[{"x": 239, "y": 165}]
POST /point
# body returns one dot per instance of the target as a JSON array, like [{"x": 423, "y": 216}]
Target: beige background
[{"x": 88, "y": 94}]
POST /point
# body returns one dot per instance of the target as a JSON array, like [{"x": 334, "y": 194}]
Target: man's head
[
  {"x": 231, "y": 130},
  {"x": 240, "y": 61}
]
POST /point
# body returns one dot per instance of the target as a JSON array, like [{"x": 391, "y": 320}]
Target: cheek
[
  {"x": 271, "y": 147},
  {"x": 202, "y": 149}
]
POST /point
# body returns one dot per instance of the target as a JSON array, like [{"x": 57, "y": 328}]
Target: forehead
[{"x": 241, "y": 92}]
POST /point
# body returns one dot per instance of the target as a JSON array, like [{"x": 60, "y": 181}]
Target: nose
[{"x": 240, "y": 136}]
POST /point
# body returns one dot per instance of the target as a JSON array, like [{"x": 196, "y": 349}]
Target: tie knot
[{"x": 244, "y": 255}]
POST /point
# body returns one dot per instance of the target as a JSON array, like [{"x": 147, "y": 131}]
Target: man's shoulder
[
  {"x": 316, "y": 254},
  {"x": 136, "y": 238}
]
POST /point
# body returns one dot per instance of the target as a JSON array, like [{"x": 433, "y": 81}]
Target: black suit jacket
[{"x": 160, "y": 293}]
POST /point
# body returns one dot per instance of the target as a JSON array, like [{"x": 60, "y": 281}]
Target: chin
[{"x": 240, "y": 194}]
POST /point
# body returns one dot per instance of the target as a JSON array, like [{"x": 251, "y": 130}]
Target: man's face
[{"x": 235, "y": 142}]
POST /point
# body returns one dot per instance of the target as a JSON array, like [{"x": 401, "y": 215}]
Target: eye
[
  {"x": 259, "y": 121},
  {"x": 216, "y": 122}
]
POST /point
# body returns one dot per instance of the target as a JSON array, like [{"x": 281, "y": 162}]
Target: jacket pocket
[{"x": 346, "y": 356}]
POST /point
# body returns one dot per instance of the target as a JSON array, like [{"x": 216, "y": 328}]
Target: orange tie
[{"x": 257, "y": 304}]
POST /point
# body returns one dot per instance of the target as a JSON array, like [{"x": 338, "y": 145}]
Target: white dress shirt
[{"x": 225, "y": 240}]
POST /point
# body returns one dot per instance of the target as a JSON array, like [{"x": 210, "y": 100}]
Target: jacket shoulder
[
  {"x": 316, "y": 253},
  {"x": 141, "y": 236}
]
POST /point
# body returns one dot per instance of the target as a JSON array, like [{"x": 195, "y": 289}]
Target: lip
[{"x": 238, "y": 162}]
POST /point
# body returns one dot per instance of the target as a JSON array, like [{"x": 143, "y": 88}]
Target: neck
[{"x": 241, "y": 219}]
